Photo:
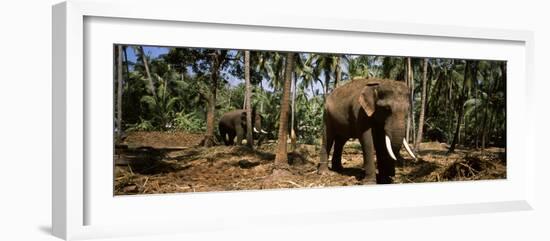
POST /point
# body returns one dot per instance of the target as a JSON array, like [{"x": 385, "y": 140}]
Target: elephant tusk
[
  {"x": 256, "y": 130},
  {"x": 408, "y": 148},
  {"x": 265, "y": 132},
  {"x": 388, "y": 147}
]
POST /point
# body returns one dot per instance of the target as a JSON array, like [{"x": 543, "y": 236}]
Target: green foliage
[
  {"x": 142, "y": 125},
  {"x": 267, "y": 103},
  {"x": 309, "y": 119},
  {"x": 160, "y": 106},
  {"x": 190, "y": 122}
]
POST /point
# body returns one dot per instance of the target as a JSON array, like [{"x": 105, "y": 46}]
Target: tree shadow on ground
[
  {"x": 186, "y": 155},
  {"x": 153, "y": 167},
  {"x": 220, "y": 152}
]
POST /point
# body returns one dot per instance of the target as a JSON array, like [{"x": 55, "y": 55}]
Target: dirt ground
[{"x": 182, "y": 166}]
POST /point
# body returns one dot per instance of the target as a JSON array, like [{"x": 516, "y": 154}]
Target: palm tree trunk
[
  {"x": 488, "y": 127},
  {"x": 119, "y": 95},
  {"x": 457, "y": 130},
  {"x": 408, "y": 131},
  {"x": 292, "y": 113},
  {"x": 413, "y": 125},
  {"x": 244, "y": 99},
  {"x": 125, "y": 51},
  {"x": 249, "y": 139},
  {"x": 485, "y": 114},
  {"x": 460, "y": 106},
  {"x": 148, "y": 72},
  {"x": 484, "y": 124},
  {"x": 281, "y": 159},
  {"x": 422, "y": 106},
  {"x": 476, "y": 120},
  {"x": 410, "y": 82}
]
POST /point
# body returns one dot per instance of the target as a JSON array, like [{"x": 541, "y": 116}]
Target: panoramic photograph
[{"x": 191, "y": 119}]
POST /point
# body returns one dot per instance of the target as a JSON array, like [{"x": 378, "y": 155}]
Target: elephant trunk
[{"x": 393, "y": 141}]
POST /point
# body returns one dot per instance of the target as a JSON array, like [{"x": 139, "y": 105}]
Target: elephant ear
[{"x": 367, "y": 98}]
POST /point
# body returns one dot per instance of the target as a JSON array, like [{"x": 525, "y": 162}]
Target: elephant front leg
[
  {"x": 368, "y": 157},
  {"x": 240, "y": 135},
  {"x": 261, "y": 138},
  {"x": 337, "y": 155},
  {"x": 384, "y": 163},
  {"x": 326, "y": 145}
]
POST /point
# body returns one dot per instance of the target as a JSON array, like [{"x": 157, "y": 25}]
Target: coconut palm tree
[
  {"x": 281, "y": 159},
  {"x": 422, "y": 105},
  {"x": 324, "y": 65},
  {"x": 300, "y": 73},
  {"x": 410, "y": 83},
  {"x": 470, "y": 72},
  {"x": 394, "y": 68},
  {"x": 147, "y": 71}
]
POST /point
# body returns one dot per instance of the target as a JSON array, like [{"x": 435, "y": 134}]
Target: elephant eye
[{"x": 384, "y": 105}]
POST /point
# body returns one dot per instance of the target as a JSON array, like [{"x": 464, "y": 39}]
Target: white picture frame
[{"x": 83, "y": 208}]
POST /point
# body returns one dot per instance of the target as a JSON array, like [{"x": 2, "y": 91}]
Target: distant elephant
[
  {"x": 436, "y": 134},
  {"x": 233, "y": 124},
  {"x": 374, "y": 111}
]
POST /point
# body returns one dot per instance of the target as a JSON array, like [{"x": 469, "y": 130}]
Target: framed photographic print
[{"x": 211, "y": 122}]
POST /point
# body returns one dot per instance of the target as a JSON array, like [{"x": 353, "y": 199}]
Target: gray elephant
[
  {"x": 374, "y": 111},
  {"x": 233, "y": 124}
]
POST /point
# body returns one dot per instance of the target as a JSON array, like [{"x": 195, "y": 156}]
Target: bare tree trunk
[
  {"x": 423, "y": 105},
  {"x": 249, "y": 139},
  {"x": 119, "y": 95},
  {"x": 217, "y": 58},
  {"x": 148, "y": 72},
  {"x": 281, "y": 159},
  {"x": 210, "y": 113}
]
